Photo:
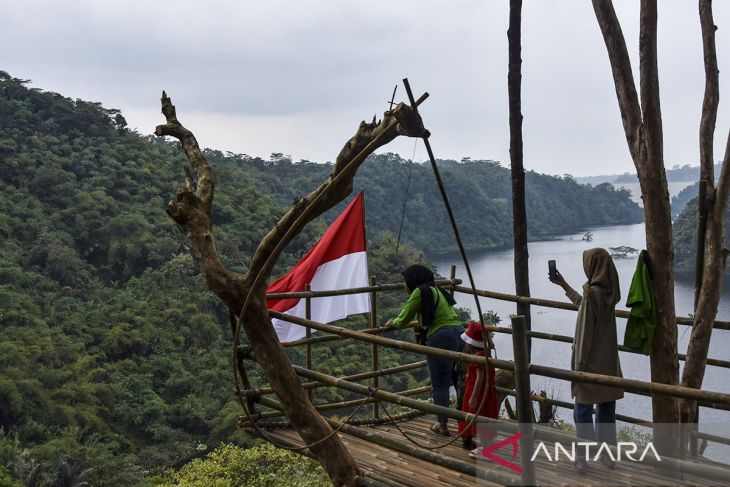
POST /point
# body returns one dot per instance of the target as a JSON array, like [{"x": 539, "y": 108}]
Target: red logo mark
[{"x": 514, "y": 440}]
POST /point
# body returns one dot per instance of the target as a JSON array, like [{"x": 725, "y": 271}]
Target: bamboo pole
[
  {"x": 334, "y": 338},
  {"x": 335, "y": 405},
  {"x": 354, "y": 377},
  {"x": 354, "y": 290},
  {"x": 546, "y": 303},
  {"x": 308, "y": 350},
  {"x": 622, "y": 348},
  {"x": 710, "y": 437},
  {"x": 570, "y": 405},
  {"x": 631, "y": 385},
  {"x": 721, "y": 325},
  {"x": 374, "y": 324},
  {"x": 524, "y": 397}
]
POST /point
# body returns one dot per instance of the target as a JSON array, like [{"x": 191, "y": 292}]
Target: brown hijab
[{"x": 601, "y": 272}]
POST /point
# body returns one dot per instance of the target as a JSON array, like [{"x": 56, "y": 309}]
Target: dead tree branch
[{"x": 191, "y": 211}]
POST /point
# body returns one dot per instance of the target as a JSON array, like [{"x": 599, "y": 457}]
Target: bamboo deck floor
[{"x": 404, "y": 469}]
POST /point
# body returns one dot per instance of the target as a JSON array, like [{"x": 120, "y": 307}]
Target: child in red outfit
[{"x": 478, "y": 378}]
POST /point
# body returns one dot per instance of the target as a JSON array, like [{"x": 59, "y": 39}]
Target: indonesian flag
[{"x": 337, "y": 261}]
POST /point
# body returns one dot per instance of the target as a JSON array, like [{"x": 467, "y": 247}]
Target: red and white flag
[{"x": 337, "y": 261}]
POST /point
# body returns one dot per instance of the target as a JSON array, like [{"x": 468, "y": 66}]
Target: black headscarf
[{"x": 421, "y": 277}]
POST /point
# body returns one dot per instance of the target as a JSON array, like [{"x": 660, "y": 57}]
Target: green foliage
[
  {"x": 684, "y": 230},
  {"x": 260, "y": 466},
  {"x": 480, "y": 192}
]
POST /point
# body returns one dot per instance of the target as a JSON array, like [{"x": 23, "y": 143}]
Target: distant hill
[
  {"x": 479, "y": 190},
  {"x": 676, "y": 174}
]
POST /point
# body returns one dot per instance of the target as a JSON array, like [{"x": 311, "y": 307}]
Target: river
[{"x": 494, "y": 271}]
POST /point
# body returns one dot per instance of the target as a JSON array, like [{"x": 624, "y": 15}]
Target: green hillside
[{"x": 480, "y": 193}]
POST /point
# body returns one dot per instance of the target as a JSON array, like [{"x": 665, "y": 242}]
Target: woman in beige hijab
[{"x": 595, "y": 350}]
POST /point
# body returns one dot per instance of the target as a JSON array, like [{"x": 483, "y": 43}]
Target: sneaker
[{"x": 476, "y": 453}]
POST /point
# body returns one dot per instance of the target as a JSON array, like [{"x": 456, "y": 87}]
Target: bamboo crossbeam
[
  {"x": 355, "y": 377},
  {"x": 566, "y": 339},
  {"x": 546, "y": 303},
  {"x": 711, "y": 437},
  {"x": 630, "y": 385},
  {"x": 570, "y": 405},
  {"x": 354, "y": 290},
  {"x": 335, "y": 405},
  {"x": 333, "y": 338},
  {"x": 540, "y": 433}
]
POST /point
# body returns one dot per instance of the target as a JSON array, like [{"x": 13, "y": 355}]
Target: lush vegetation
[
  {"x": 479, "y": 191},
  {"x": 680, "y": 201},
  {"x": 685, "y": 239},
  {"x": 114, "y": 358},
  {"x": 259, "y": 466}
]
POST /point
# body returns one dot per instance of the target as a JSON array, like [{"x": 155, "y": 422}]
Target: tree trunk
[
  {"x": 711, "y": 223},
  {"x": 245, "y": 295},
  {"x": 643, "y": 129},
  {"x": 519, "y": 211},
  {"x": 709, "y": 298}
]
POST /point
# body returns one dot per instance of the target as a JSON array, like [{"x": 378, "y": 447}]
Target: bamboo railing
[{"x": 520, "y": 366}]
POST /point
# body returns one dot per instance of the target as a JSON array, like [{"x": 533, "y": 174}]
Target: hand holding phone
[{"x": 552, "y": 271}]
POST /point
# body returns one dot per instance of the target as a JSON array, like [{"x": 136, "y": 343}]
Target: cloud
[{"x": 301, "y": 75}]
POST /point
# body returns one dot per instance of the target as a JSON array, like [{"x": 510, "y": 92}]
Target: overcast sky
[{"x": 298, "y": 76}]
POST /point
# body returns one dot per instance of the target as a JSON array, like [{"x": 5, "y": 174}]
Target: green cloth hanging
[{"x": 642, "y": 318}]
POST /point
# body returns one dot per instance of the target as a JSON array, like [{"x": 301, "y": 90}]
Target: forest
[{"x": 114, "y": 357}]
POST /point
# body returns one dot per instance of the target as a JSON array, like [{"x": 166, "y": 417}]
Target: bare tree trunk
[
  {"x": 704, "y": 320},
  {"x": 711, "y": 220},
  {"x": 707, "y": 133},
  {"x": 519, "y": 211},
  {"x": 643, "y": 128},
  {"x": 191, "y": 211}
]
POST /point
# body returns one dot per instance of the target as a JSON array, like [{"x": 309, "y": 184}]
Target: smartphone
[{"x": 552, "y": 270}]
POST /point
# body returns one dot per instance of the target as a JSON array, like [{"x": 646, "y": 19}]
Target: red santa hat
[{"x": 473, "y": 335}]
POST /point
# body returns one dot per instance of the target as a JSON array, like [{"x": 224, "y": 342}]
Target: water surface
[{"x": 494, "y": 271}]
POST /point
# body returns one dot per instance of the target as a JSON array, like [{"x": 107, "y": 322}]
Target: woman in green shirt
[{"x": 432, "y": 306}]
